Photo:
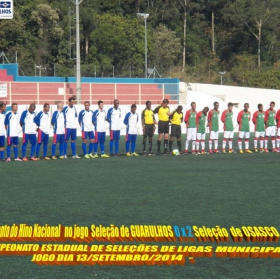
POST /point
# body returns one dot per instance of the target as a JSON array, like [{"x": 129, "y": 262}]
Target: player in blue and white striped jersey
[
  {"x": 12, "y": 127},
  {"x": 71, "y": 123},
  {"x": 131, "y": 120},
  {"x": 86, "y": 123},
  {"x": 114, "y": 119},
  {"x": 99, "y": 121},
  {"x": 43, "y": 121},
  {"x": 2, "y": 130},
  {"x": 58, "y": 123},
  {"x": 29, "y": 131}
]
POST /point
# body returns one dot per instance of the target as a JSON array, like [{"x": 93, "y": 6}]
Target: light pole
[
  {"x": 145, "y": 17},
  {"x": 222, "y": 74},
  {"x": 78, "y": 54}
]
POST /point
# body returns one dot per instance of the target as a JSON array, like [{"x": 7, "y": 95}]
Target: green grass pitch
[{"x": 225, "y": 190}]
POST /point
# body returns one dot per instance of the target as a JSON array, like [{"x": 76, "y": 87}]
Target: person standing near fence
[
  {"x": 114, "y": 119},
  {"x": 2, "y": 130},
  {"x": 29, "y": 131}
]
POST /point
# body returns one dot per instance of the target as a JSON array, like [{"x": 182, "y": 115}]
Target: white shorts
[
  {"x": 228, "y": 134},
  {"x": 243, "y": 134},
  {"x": 278, "y": 132},
  {"x": 191, "y": 134},
  {"x": 270, "y": 131},
  {"x": 214, "y": 135},
  {"x": 259, "y": 134},
  {"x": 200, "y": 136}
]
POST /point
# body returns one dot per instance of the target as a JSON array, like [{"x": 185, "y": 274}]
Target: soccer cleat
[
  {"x": 54, "y": 157},
  {"x": 65, "y": 156},
  {"x": 105, "y": 156},
  {"x": 216, "y": 151},
  {"x": 224, "y": 151},
  {"x": 62, "y": 157},
  {"x": 8, "y": 159},
  {"x": 261, "y": 150},
  {"x": 198, "y": 153},
  {"x": 47, "y": 158},
  {"x": 86, "y": 156},
  {"x": 230, "y": 151},
  {"x": 266, "y": 150},
  {"x": 248, "y": 151},
  {"x": 91, "y": 155},
  {"x": 275, "y": 150},
  {"x": 241, "y": 152},
  {"x": 24, "y": 159},
  {"x": 128, "y": 154},
  {"x": 210, "y": 152},
  {"x": 193, "y": 153},
  {"x": 135, "y": 154},
  {"x": 33, "y": 158},
  {"x": 37, "y": 158},
  {"x": 18, "y": 159},
  {"x": 76, "y": 156},
  {"x": 256, "y": 150},
  {"x": 95, "y": 156}
]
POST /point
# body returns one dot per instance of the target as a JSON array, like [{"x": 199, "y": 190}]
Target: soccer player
[
  {"x": 200, "y": 136},
  {"x": 258, "y": 120},
  {"x": 71, "y": 120},
  {"x": 227, "y": 119},
  {"x": 58, "y": 123},
  {"x": 213, "y": 123},
  {"x": 131, "y": 120},
  {"x": 278, "y": 129},
  {"x": 163, "y": 112},
  {"x": 12, "y": 128},
  {"x": 2, "y": 130},
  {"x": 243, "y": 120},
  {"x": 148, "y": 125},
  {"x": 270, "y": 116},
  {"x": 99, "y": 121},
  {"x": 176, "y": 118},
  {"x": 43, "y": 121},
  {"x": 86, "y": 123},
  {"x": 114, "y": 119},
  {"x": 29, "y": 131},
  {"x": 190, "y": 121}
]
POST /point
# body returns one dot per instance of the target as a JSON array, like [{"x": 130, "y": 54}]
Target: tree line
[{"x": 194, "y": 40}]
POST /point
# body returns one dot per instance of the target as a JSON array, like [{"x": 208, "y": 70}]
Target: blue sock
[
  {"x": 73, "y": 148},
  {"x": 8, "y": 151},
  {"x": 127, "y": 146},
  {"x": 1, "y": 154},
  {"x": 24, "y": 149},
  {"x": 53, "y": 149},
  {"x": 38, "y": 150},
  {"x": 61, "y": 149},
  {"x": 95, "y": 147},
  {"x": 133, "y": 144},
  {"x": 45, "y": 150},
  {"x": 90, "y": 148},
  {"x": 33, "y": 147},
  {"x": 111, "y": 146},
  {"x": 117, "y": 146},
  {"x": 102, "y": 148},
  {"x": 65, "y": 148},
  {"x": 84, "y": 147},
  {"x": 16, "y": 152}
]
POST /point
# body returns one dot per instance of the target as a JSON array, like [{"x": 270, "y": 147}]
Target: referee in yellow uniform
[
  {"x": 148, "y": 125},
  {"x": 176, "y": 118},
  {"x": 163, "y": 112}
]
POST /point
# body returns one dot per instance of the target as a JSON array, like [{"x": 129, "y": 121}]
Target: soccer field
[{"x": 221, "y": 189}]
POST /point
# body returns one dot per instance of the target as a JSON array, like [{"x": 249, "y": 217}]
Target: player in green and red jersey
[
  {"x": 278, "y": 129},
  {"x": 258, "y": 120},
  {"x": 270, "y": 116},
  {"x": 190, "y": 120},
  {"x": 243, "y": 120},
  {"x": 213, "y": 123},
  {"x": 226, "y": 118},
  {"x": 200, "y": 136}
]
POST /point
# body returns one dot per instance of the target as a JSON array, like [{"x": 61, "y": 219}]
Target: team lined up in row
[{"x": 93, "y": 126}]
